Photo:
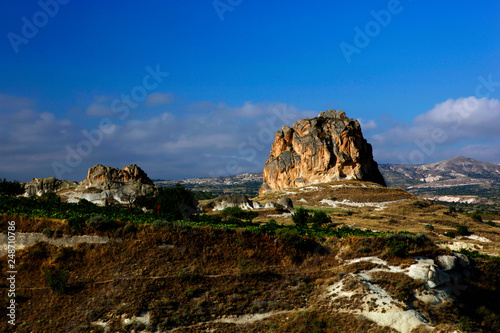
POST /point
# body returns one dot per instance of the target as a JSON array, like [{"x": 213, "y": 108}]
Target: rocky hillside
[
  {"x": 459, "y": 179},
  {"x": 359, "y": 273},
  {"x": 328, "y": 147},
  {"x": 457, "y": 171},
  {"x": 104, "y": 185}
]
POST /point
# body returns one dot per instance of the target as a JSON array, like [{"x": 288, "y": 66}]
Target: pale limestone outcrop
[
  {"x": 235, "y": 200},
  {"x": 103, "y": 185},
  {"x": 39, "y": 186}
]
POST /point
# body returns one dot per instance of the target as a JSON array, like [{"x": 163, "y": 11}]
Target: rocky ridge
[
  {"x": 326, "y": 148},
  {"x": 39, "y": 186},
  {"x": 104, "y": 185}
]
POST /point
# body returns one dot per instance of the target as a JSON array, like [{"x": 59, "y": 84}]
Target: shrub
[
  {"x": 176, "y": 203},
  {"x": 161, "y": 224},
  {"x": 398, "y": 248},
  {"x": 50, "y": 196},
  {"x": 421, "y": 204},
  {"x": 65, "y": 253},
  {"x": 463, "y": 230},
  {"x": 148, "y": 201},
  {"x": 47, "y": 232},
  {"x": 76, "y": 223},
  {"x": 234, "y": 211},
  {"x": 364, "y": 249},
  {"x": 238, "y": 213},
  {"x": 269, "y": 227},
  {"x": 130, "y": 227},
  {"x": 300, "y": 218},
  {"x": 11, "y": 188},
  {"x": 398, "y": 245},
  {"x": 101, "y": 224},
  {"x": 429, "y": 227},
  {"x": 57, "y": 279},
  {"x": 319, "y": 219},
  {"x": 86, "y": 204},
  {"x": 450, "y": 234},
  {"x": 476, "y": 217},
  {"x": 234, "y": 221}
]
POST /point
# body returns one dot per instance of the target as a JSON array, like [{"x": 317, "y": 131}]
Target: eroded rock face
[
  {"x": 329, "y": 147},
  {"x": 104, "y": 185},
  {"x": 39, "y": 186},
  {"x": 99, "y": 173}
]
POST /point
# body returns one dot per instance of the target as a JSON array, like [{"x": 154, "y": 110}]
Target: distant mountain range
[
  {"x": 457, "y": 171},
  {"x": 459, "y": 179}
]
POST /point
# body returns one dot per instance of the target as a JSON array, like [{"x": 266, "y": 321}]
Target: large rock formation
[{"x": 326, "y": 148}]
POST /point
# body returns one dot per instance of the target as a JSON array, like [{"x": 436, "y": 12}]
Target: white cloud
[
  {"x": 14, "y": 103},
  {"x": 99, "y": 110},
  {"x": 367, "y": 125},
  {"x": 442, "y": 132},
  {"x": 157, "y": 98},
  {"x": 229, "y": 135}
]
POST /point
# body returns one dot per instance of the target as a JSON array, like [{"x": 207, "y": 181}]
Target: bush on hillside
[
  {"x": 176, "y": 203},
  {"x": 76, "y": 223},
  {"x": 319, "y": 219},
  {"x": 301, "y": 218},
  {"x": 238, "y": 213},
  {"x": 57, "y": 279},
  {"x": 11, "y": 188}
]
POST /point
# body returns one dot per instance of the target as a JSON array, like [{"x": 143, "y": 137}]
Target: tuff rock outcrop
[
  {"x": 39, "y": 186},
  {"x": 326, "y": 148},
  {"x": 104, "y": 185},
  {"x": 235, "y": 200},
  {"x": 131, "y": 173}
]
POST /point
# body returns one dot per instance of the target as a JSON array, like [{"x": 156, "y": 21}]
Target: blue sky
[{"x": 423, "y": 79}]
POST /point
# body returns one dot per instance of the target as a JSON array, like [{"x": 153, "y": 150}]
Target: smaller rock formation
[
  {"x": 103, "y": 185},
  {"x": 131, "y": 173},
  {"x": 39, "y": 186},
  {"x": 235, "y": 200},
  {"x": 286, "y": 203},
  {"x": 447, "y": 263},
  {"x": 440, "y": 280}
]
